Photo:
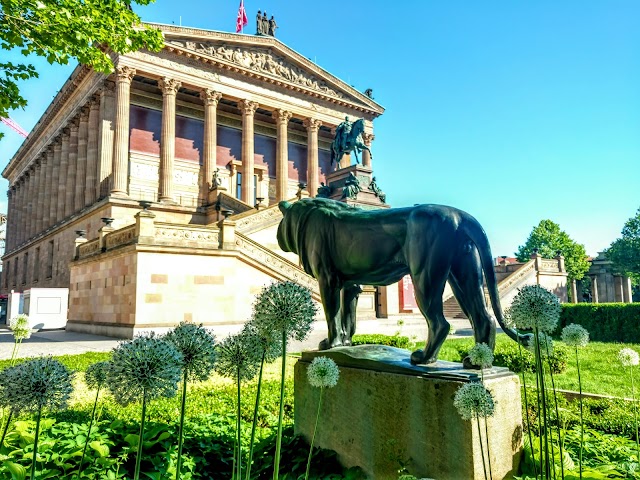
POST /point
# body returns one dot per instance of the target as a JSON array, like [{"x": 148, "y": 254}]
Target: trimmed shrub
[
  {"x": 508, "y": 355},
  {"x": 398, "y": 341},
  {"x": 606, "y": 322}
]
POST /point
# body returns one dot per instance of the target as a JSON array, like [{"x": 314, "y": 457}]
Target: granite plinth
[{"x": 386, "y": 414}]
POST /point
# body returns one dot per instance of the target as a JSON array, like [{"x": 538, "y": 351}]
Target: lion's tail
[{"x": 477, "y": 235}]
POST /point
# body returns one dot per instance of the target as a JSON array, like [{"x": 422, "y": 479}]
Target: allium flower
[
  {"x": 546, "y": 345},
  {"x": 535, "y": 307},
  {"x": 96, "y": 375},
  {"x": 473, "y": 400},
  {"x": 285, "y": 307},
  {"x": 239, "y": 356},
  {"x": 34, "y": 384},
  {"x": 20, "y": 327},
  {"x": 575, "y": 335},
  {"x": 323, "y": 373},
  {"x": 269, "y": 341},
  {"x": 481, "y": 355},
  {"x": 147, "y": 364},
  {"x": 197, "y": 346},
  {"x": 628, "y": 357}
]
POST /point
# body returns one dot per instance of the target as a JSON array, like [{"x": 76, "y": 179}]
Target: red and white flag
[
  {"x": 14, "y": 126},
  {"x": 242, "y": 20}
]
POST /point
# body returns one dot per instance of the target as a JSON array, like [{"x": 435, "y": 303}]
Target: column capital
[
  {"x": 73, "y": 125},
  {"x": 84, "y": 114},
  {"x": 124, "y": 74},
  {"x": 247, "y": 107},
  {"x": 312, "y": 124},
  {"x": 367, "y": 138},
  {"x": 210, "y": 97},
  {"x": 108, "y": 88},
  {"x": 169, "y": 86},
  {"x": 282, "y": 116}
]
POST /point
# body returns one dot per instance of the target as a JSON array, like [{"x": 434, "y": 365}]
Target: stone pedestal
[
  {"x": 366, "y": 198},
  {"x": 386, "y": 414}
]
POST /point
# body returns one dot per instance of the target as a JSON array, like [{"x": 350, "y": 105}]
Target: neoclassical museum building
[
  {"x": 152, "y": 193},
  {"x": 149, "y": 196}
]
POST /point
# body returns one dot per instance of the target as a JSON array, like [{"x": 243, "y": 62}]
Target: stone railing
[
  {"x": 186, "y": 236},
  {"x": 89, "y": 248},
  {"x": 277, "y": 264},
  {"x": 238, "y": 206},
  {"x": 549, "y": 265},
  {"x": 516, "y": 278},
  {"x": 250, "y": 223},
  {"x": 123, "y": 236}
]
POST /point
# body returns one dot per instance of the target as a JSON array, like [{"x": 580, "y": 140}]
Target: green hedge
[
  {"x": 606, "y": 322},
  {"x": 398, "y": 341}
]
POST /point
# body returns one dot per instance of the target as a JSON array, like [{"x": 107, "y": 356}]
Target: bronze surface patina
[{"x": 344, "y": 247}]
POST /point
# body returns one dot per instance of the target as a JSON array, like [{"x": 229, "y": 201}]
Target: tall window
[
  {"x": 50, "y": 260},
  {"x": 25, "y": 266},
  {"x": 36, "y": 270},
  {"x": 239, "y": 186}
]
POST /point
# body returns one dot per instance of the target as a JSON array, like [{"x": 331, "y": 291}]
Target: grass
[{"x": 600, "y": 369}]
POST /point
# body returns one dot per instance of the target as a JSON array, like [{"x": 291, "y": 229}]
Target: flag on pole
[
  {"x": 242, "y": 20},
  {"x": 14, "y": 126}
]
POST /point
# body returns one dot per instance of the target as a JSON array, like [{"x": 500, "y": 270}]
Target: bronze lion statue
[{"x": 344, "y": 247}]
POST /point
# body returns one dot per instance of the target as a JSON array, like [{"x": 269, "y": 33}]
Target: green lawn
[{"x": 600, "y": 369}]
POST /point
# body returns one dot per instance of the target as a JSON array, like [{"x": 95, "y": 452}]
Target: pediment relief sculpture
[{"x": 260, "y": 60}]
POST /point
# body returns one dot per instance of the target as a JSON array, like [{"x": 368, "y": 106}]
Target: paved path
[{"x": 61, "y": 342}]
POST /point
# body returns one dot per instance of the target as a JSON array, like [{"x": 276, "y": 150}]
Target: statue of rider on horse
[{"x": 348, "y": 138}]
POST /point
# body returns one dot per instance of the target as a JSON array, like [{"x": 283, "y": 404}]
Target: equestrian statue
[
  {"x": 348, "y": 139},
  {"x": 344, "y": 247}
]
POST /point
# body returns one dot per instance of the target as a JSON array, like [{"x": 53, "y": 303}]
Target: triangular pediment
[{"x": 268, "y": 58}]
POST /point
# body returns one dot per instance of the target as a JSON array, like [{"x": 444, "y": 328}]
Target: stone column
[
  {"x": 46, "y": 209},
  {"x": 64, "y": 167},
  {"x": 594, "y": 289},
  {"x": 627, "y": 296},
  {"x": 81, "y": 174},
  {"x": 90, "y": 188},
  {"x": 120, "y": 165},
  {"x": 30, "y": 204},
  {"x": 209, "y": 157},
  {"x": 574, "y": 292},
  {"x": 106, "y": 125},
  {"x": 54, "y": 181},
  {"x": 617, "y": 288},
  {"x": 282, "y": 154},
  {"x": 248, "y": 109},
  {"x": 367, "y": 138},
  {"x": 72, "y": 168},
  {"x": 8, "y": 242},
  {"x": 22, "y": 209},
  {"x": 169, "y": 88},
  {"x": 312, "y": 125},
  {"x": 41, "y": 170}
]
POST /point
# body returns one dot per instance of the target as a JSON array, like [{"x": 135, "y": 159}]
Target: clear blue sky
[{"x": 512, "y": 111}]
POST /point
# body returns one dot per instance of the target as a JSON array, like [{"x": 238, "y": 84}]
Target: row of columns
[{"x": 90, "y": 158}]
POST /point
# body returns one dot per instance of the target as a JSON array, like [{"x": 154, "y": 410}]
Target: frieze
[
  {"x": 89, "y": 248},
  {"x": 512, "y": 279},
  {"x": 210, "y": 239},
  {"x": 255, "y": 221},
  {"x": 550, "y": 265},
  {"x": 144, "y": 171},
  {"x": 260, "y": 60}
]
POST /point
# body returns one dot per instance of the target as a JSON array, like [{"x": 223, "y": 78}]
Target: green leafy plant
[{"x": 397, "y": 341}]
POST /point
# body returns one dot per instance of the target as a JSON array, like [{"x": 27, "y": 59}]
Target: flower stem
[
  {"x": 486, "y": 429},
  {"x": 555, "y": 399},
  {"x": 255, "y": 416},
  {"x": 6, "y": 427},
  {"x": 14, "y": 353},
  {"x": 543, "y": 394},
  {"x": 35, "y": 444},
  {"x": 635, "y": 414},
  {"x": 481, "y": 447},
  {"x": 313, "y": 438},
  {"x": 183, "y": 405},
  {"x": 136, "y": 474},
  {"x": 526, "y": 409},
  {"x": 84, "y": 450},
  {"x": 581, "y": 421},
  {"x": 276, "y": 466},
  {"x": 239, "y": 426}
]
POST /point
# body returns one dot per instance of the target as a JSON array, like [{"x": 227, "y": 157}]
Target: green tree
[
  {"x": 549, "y": 239},
  {"x": 625, "y": 251},
  {"x": 87, "y": 30}
]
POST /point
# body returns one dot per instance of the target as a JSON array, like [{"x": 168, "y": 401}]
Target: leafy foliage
[
  {"x": 625, "y": 251},
  {"x": 65, "y": 29},
  {"x": 549, "y": 239}
]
